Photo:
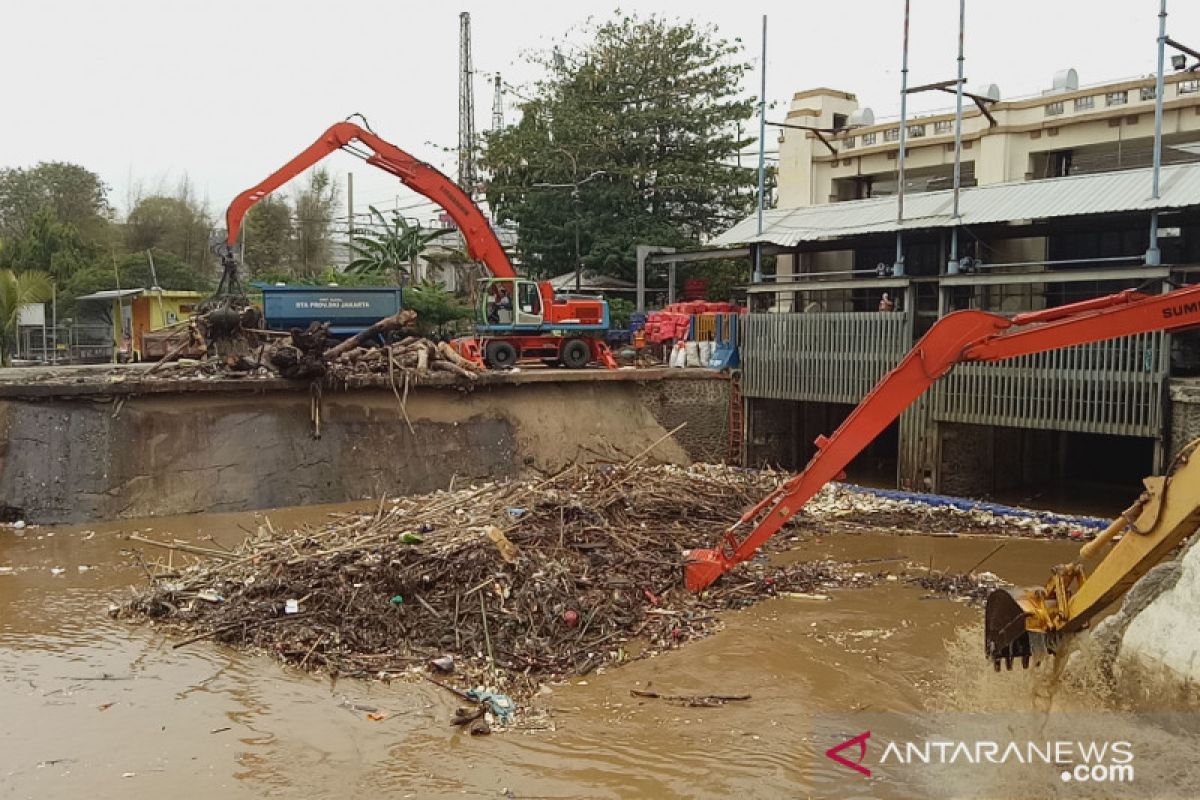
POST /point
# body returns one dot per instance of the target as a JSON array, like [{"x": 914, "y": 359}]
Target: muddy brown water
[{"x": 93, "y": 707}]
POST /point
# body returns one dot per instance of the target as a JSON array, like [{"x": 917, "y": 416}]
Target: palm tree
[
  {"x": 18, "y": 289},
  {"x": 392, "y": 247}
]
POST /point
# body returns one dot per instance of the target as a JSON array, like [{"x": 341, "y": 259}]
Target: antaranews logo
[
  {"x": 835, "y": 753},
  {"x": 1079, "y": 761}
]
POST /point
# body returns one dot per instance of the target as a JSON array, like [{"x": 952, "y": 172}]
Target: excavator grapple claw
[{"x": 1005, "y": 636}]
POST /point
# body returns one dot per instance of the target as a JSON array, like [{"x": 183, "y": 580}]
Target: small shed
[{"x": 134, "y": 312}]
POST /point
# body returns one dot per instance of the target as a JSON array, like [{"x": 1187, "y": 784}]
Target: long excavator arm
[
  {"x": 959, "y": 337},
  {"x": 482, "y": 243}
]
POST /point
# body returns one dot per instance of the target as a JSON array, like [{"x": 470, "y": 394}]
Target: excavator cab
[{"x": 509, "y": 304}]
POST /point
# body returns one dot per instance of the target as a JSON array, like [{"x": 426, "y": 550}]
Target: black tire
[
  {"x": 500, "y": 354},
  {"x": 575, "y": 354}
]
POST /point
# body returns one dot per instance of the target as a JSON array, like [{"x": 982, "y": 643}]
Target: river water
[{"x": 93, "y": 707}]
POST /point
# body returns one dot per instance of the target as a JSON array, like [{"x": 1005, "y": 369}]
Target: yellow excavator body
[{"x": 1018, "y": 624}]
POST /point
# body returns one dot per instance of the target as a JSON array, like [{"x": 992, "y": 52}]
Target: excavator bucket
[
  {"x": 702, "y": 568},
  {"x": 1005, "y": 636}
]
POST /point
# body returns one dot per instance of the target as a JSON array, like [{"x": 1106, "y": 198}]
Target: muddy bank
[{"x": 100, "y": 456}]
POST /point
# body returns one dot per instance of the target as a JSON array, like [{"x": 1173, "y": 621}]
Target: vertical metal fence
[
  {"x": 1112, "y": 387},
  {"x": 825, "y": 358}
]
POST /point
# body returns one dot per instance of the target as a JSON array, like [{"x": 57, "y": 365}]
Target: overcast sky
[{"x": 143, "y": 91}]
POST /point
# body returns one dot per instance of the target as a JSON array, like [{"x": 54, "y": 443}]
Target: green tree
[
  {"x": 176, "y": 225},
  {"x": 435, "y": 307},
  {"x": 133, "y": 271},
  {"x": 631, "y": 139},
  {"x": 50, "y": 245},
  {"x": 392, "y": 248},
  {"x": 18, "y": 289},
  {"x": 75, "y": 196},
  {"x": 314, "y": 205},
  {"x": 267, "y": 236}
]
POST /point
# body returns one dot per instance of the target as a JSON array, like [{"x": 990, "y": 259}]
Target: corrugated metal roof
[
  {"x": 1103, "y": 193},
  {"x": 111, "y": 294}
]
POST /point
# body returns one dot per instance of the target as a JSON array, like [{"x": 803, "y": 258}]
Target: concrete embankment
[
  {"x": 1154, "y": 638},
  {"x": 96, "y": 444}
]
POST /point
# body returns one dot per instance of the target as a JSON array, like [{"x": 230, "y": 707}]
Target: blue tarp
[{"x": 939, "y": 500}]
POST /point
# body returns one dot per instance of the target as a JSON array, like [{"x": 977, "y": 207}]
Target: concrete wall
[
  {"x": 80, "y": 459},
  {"x": 1183, "y": 413},
  {"x": 1152, "y": 641}
]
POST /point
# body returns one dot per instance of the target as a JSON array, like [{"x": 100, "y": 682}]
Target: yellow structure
[
  {"x": 135, "y": 312},
  {"x": 1064, "y": 130}
]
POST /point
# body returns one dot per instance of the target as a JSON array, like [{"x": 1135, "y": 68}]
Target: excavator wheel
[
  {"x": 500, "y": 354},
  {"x": 575, "y": 354}
]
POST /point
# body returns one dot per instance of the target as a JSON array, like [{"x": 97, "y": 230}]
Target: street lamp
[{"x": 574, "y": 187}]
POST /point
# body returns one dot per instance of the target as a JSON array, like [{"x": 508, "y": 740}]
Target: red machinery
[
  {"x": 960, "y": 337},
  {"x": 519, "y": 318}
]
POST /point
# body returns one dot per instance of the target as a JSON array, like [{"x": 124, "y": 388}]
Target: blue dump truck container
[{"x": 347, "y": 310}]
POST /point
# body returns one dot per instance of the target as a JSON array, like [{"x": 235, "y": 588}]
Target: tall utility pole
[
  {"x": 350, "y": 211},
  {"x": 467, "y": 177},
  {"x": 952, "y": 267},
  {"x": 1153, "y": 254},
  {"x": 898, "y": 267},
  {"x": 498, "y": 105},
  {"x": 762, "y": 155}
]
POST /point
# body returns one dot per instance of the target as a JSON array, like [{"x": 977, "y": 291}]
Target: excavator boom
[
  {"x": 482, "y": 243},
  {"x": 959, "y": 337}
]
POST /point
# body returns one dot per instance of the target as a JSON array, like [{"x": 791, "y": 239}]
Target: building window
[
  {"x": 850, "y": 143},
  {"x": 1146, "y": 93},
  {"x": 868, "y": 139},
  {"x": 1054, "y": 109},
  {"x": 1084, "y": 103},
  {"x": 1187, "y": 87},
  {"x": 916, "y": 130},
  {"x": 943, "y": 126},
  {"x": 1116, "y": 98},
  {"x": 891, "y": 135}
]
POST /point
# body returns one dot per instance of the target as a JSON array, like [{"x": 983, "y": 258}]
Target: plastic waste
[
  {"x": 500, "y": 704},
  {"x": 291, "y": 606}
]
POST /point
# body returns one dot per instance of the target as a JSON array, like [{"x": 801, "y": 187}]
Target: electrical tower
[
  {"x": 498, "y": 106},
  {"x": 467, "y": 177}
]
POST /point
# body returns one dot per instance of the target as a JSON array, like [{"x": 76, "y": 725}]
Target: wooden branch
[{"x": 397, "y": 321}]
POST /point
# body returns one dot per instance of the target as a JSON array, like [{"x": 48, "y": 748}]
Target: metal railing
[
  {"x": 72, "y": 344},
  {"x": 823, "y": 357},
  {"x": 1112, "y": 387}
]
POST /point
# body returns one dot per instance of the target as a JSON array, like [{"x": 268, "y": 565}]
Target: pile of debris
[
  {"x": 509, "y": 584},
  {"x": 245, "y": 350}
]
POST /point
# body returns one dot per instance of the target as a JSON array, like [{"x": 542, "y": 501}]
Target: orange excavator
[
  {"x": 958, "y": 338},
  {"x": 518, "y": 319}
]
